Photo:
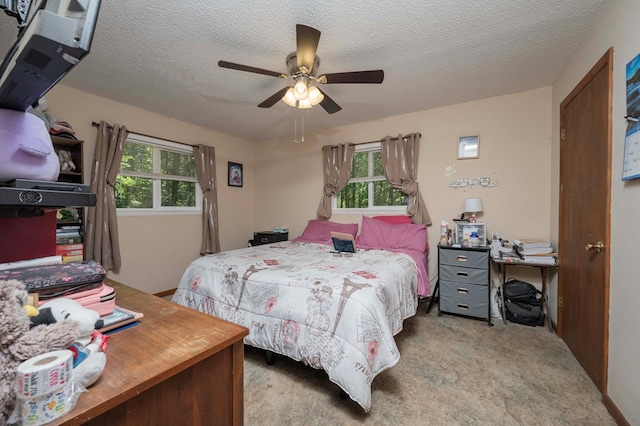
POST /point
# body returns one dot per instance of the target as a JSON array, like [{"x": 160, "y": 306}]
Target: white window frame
[
  {"x": 370, "y": 148},
  {"x": 158, "y": 210}
]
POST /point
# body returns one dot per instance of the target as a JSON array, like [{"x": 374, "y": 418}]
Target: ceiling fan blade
[
  {"x": 328, "y": 104},
  {"x": 369, "y": 77},
  {"x": 307, "y": 39},
  {"x": 271, "y": 101},
  {"x": 239, "y": 67}
]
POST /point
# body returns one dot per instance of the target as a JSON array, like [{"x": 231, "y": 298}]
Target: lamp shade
[
  {"x": 472, "y": 205},
  {"x": 289, "y": 99},
  {"x": 300, "y": 90}
]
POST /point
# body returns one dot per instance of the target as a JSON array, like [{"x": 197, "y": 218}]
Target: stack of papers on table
[{"x": 535, "y": 251}]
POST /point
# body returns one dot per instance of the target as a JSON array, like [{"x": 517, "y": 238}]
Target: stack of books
[
  {"x": 120, "y": 318},
  {"x": 70, "y": 252},
  {"x": 69, "y": 235},
  {"x": 535, "y": 251}
]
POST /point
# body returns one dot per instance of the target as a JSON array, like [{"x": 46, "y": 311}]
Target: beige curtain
[
  {"x": 337, "y": 161},
  {"x": 400, "y": 163},
  {"x": 205, "y": 159},
  {"x": 101, "y": 234}
]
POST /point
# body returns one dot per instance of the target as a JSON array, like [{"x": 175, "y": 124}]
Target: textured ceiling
[{"x": 162, "y": 56}]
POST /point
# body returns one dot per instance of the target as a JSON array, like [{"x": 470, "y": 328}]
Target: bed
[{"x": 338, "y": 313}]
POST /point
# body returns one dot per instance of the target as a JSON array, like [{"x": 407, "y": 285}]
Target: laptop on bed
[{"x": 343, "y": 243}]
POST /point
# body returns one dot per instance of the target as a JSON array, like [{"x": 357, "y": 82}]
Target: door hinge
[
  {"x": 559, "y": 302},
  {"x": 562, "y": 134}
]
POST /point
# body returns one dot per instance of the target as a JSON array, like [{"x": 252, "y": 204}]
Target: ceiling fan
[{"x": 302, "y": 66}]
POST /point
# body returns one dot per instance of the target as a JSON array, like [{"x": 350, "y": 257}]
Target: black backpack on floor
[{"x": 523, "y": 303}]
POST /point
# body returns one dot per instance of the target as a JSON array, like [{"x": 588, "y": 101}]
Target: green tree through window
[
  {"x": 368, "y": 188},
  {"x": 155, "y": 174}
]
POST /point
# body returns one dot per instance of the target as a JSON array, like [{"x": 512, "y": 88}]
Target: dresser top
[{"x": 169, "y": 339}]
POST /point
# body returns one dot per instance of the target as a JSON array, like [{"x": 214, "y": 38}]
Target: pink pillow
[
  {"x": 397, "y": 220},
  {"x": 394, "y": 219},
  {"x": 377, "y": 234},
  {"x": 319, "y": 231}
]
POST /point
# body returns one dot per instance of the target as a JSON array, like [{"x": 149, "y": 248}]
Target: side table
[{"x": 501, "y": 264}]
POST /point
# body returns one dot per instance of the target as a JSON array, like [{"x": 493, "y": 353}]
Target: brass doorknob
[{"x": 599, "y": 246}]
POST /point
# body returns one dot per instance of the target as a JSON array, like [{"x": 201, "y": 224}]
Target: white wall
[
  {"x": 515, "y": 151},
  {"x": 157, "y": 249},
  {"x": 617, "y": 27}
]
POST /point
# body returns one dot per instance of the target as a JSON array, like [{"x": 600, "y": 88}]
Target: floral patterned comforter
[{"x": 336, "y": 313}]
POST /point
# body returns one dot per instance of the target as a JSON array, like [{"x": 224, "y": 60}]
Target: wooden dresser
[{"x": 176, "y": 367}]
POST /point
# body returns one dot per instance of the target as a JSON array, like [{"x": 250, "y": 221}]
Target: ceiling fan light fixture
[
  {"x": 304, "y": 103},
  {"x": 315, "y": 95},
  {"x": 289, "y": 98},
  {"x": 300, "y": 90}
]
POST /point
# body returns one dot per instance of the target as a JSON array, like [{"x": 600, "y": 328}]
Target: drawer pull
[
  {"x": 463, "y": 291},
  {"x": 463, "y": 306},
  {"x": 462, "y": 274},
  {"x": 462, "y": 258}
]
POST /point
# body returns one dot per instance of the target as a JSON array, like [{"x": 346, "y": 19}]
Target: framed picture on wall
[
  {"x": 235, "y": 174},
  {"x": 468, "y": 147}
]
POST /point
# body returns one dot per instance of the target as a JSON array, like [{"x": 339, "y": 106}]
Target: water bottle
[{"x": 474, "y": 240}]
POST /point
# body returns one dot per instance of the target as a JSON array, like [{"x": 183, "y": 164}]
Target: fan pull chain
[{"x": 302, "y": 130}]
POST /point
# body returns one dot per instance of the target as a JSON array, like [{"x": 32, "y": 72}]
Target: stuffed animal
[
  {"x": 26, "y": 150},
  {"x": 89, "y": 357},
  {"x": 66, "y": 163},
  {"x": 19, "y": 342}
]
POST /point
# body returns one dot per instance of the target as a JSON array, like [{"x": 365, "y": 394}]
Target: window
[
  {"x": 368, "y": 189},
  {"x": 157, "y": 176}
]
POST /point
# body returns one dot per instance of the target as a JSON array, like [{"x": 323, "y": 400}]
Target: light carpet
[{"x": 452, "y": 371}]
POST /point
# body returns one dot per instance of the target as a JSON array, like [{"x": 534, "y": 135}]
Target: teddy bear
[
  {"x": 88, "y": 348},
  {"x": 66, "y": 163},
  {"x": 19, "y": 341}
]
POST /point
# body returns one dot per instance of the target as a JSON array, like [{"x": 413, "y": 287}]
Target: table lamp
[{"x": 473, "y": 206}]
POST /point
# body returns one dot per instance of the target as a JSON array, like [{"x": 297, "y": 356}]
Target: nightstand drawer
[
  {"x": 472, "y": 308},
  {"x": 463, "y": 291},
  {"x": 468, "y": 258},
  {"x": 464, "y": 275}
]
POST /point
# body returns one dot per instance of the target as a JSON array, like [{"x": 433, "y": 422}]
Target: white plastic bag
[{"x": 495, "y": 301}]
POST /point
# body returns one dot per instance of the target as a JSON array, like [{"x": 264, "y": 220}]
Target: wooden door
[{"x": 584, "y": 206}]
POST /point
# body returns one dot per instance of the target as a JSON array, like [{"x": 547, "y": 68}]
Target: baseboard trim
[
  {"x": 613, "y": 410},
  {"x": 165, "y": 293}
]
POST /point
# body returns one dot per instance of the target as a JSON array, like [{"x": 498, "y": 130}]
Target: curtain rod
[
  {"x": 94, "y": 124},
  {"x": 380, "y": 140}
]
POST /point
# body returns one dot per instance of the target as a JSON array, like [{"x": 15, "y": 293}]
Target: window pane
[
  {"x": 177, "y": 164},
  {"x": 377, "y": 164},
  {"x": 134, "y": 192},
  {"x": 137, "y": 157},
  {"x": 353, "y": 196},
  {"x": 177, "y": 193},
  {"x": 385, "y": 195},
  {"x": 360, "y": 166}
]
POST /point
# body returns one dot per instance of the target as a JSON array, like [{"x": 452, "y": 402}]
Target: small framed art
[
  {"x": 468, "y": 147},
  {"x": 235, "y": 174}
]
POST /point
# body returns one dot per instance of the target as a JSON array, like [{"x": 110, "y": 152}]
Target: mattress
[{"x": 338, "y": 313}]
